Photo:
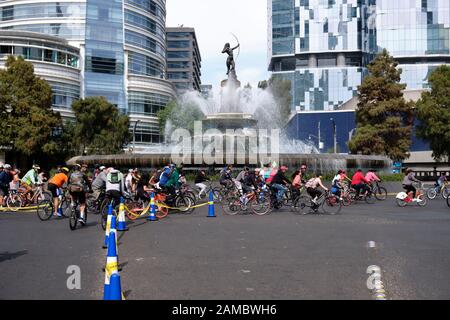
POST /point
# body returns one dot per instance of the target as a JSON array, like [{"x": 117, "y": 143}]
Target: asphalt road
[{"x": 279, "y": 256}]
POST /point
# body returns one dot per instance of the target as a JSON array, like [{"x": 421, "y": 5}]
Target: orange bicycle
[{"x": 140, "y": 208}]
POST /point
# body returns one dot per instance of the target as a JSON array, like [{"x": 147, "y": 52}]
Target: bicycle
[
  {"x": 209, "y": 188},
  {"x": 45, "y": 208},
  {"x": 139, "y": 208},
  {"x": 436, "y": 191},
  {"x": 13, "y": 200},
  {"x": 257, "y": 200},
  {"x": 39, "y": 195},
  {"x": 403, "y": 199},
  {"x": 379, "y": 191},
  {"x": 368, "y": 196},
  {"x": 328, "y": 202},
  {"x": 95, "y": 205},
  {"x": 75, "y": 215}
]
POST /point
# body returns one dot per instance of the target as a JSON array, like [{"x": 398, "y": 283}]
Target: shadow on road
[{"x": 13, "y": 255}]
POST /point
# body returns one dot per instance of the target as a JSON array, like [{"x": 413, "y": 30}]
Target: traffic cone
[
  {"x": 122, "y": 226},
  {"x": 211, "y": 211},
  {"x": 115, "y": 290},
  {"x": 108, "y": 225},
  {"x": 152, "y": 209},
  {"x": 114, "y": 230},
  {"x": 111, "y": 266}
]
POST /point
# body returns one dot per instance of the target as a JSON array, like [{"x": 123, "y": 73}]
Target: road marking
[
  {"x": 374, "y": 282},
  {"x": 245, "y": 271},
  {"x": 371, "y": 244}
]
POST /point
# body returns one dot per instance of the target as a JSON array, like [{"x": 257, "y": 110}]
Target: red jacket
[{"x": 358, "y": 178}]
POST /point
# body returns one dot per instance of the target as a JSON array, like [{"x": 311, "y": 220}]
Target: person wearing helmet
[
  {"x": 279, "y": 182},
  {"x": 29, "y": 179},
  {"x": 55, "y": 184},
  {"x": 5, "y": 179},
  {"x": 78, "y": 185}
]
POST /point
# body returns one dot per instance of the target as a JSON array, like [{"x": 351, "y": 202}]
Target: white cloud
[{"x": 214, "y": 21}]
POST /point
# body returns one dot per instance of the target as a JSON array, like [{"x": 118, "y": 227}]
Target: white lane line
[{"x": 374, "y": 282}]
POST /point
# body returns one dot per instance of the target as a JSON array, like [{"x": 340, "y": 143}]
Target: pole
[
  {"x": 335, "y": 138},
  {"x": 318, "y": 127}
]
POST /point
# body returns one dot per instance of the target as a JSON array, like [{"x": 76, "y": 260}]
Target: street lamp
[
  {"x": 134, "y": 134},
  {"x": 319, "y": 143},
  {"x": 334, "y": 135}
]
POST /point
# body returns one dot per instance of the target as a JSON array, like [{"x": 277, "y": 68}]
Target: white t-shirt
[
  {"x": 129, "y": 182},
  {"x": 313, "y": 183}
]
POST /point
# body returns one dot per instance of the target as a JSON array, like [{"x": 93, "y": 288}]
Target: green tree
[
  {"x": 99, "y": 127},
  {"x": 433, "y": 112},
  {"x": 26, "y": 114},
  {"x": 384, "y": 119}
]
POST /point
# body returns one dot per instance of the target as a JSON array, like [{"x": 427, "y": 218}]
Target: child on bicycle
[
  {"x": 312, "y": 187},
  {"x": 337, "y": 184},
  {"x": 441, "y": 181},
  {"x": 199, "y": 182}
]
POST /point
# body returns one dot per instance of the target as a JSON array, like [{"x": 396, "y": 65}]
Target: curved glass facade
[{"x": 121, "y": 39}]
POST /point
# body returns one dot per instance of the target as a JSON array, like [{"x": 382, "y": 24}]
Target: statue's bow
[{"x": 238, "y": 44}]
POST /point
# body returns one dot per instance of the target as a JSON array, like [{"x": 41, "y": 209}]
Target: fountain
[{"x": 239, "y": 120}]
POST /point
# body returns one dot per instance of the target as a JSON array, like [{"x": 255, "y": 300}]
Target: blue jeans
[{"x": 281, "y": 190}]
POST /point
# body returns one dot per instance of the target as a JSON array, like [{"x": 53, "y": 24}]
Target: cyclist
[
  {"x": 199, "y": 182},
  {"x": 115, "y": 185},
  {"x": 154, "y": 180},
  {"x": 279, "y": 182},
  {"x": 312, "y": 187},
  {"x": 29, "y": 179},
  {"x": 408, "y": 182},
  {"x": 99, "y": 183},
  {"x": 15, "y": 183},
  {"x": 372, "y": 177},
  {"x": 174, "y": 180},
  {"x": 129, "y": 187},
  {"x": 78, "y": 185},
  {"x": 165, "y": 175},
  {"x": 359, "y": 182},
  {"x": 142, "y": 189},
  {"x": 303, "y": 175},
  {"x": 239, "y": 181},
  {"x": 56, "y": 183},
  {"x": 226, "y": 179},
  {"x": 5, "y": 180},
  {"x": 441, "y": 181},
  {"x": 336, "y": 184}
]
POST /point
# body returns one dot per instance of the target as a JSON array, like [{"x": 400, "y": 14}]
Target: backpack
[{"x": 114, "y": 177}]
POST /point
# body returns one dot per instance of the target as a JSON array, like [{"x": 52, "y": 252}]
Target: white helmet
[{"x": 7, "y": 167}]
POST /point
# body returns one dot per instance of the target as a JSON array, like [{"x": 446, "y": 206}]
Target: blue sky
[{"x": 214, "y": 21}]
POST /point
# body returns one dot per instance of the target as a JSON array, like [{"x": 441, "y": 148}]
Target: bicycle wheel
[
  {"x": 302, "y": 205},
  {"x": 134, "y": 209},
  {"x": 73, "y": 219},
  {"x": 161, "y": 212},
  {"x": 381, "y": 193},
  {"x": 65, "y": 207},
  {"x": 260, "y": 205},
  {"x": 184, "y": 204},
  {"x": 431, "y": 193},
  {"x": 445, "y": 193},
  {"x": 231, "y": 206},
  {"x": 423, "y": 201},
  {"x": 104, "y": 217},
  {"x": 448, "y": 202},
  {"x": 45, "y": 210},
  {"x": 13, "y": 202},
  {"x": 370, "y": 198},
  {"x": 401, "y": 203},
  {"x": 346, "y": 200},
  {"x": 332, "y": 205}
]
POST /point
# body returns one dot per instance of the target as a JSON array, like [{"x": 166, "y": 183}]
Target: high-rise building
[
  {"x": 117, "y": 48},
  {"x": 183, "y": 59},
  {"x": 324, "y": 47}
]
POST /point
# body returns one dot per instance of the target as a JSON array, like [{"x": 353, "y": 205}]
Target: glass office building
[
  {"x": 323, "y": 47},
  {"x": 121, "y": 47}
]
